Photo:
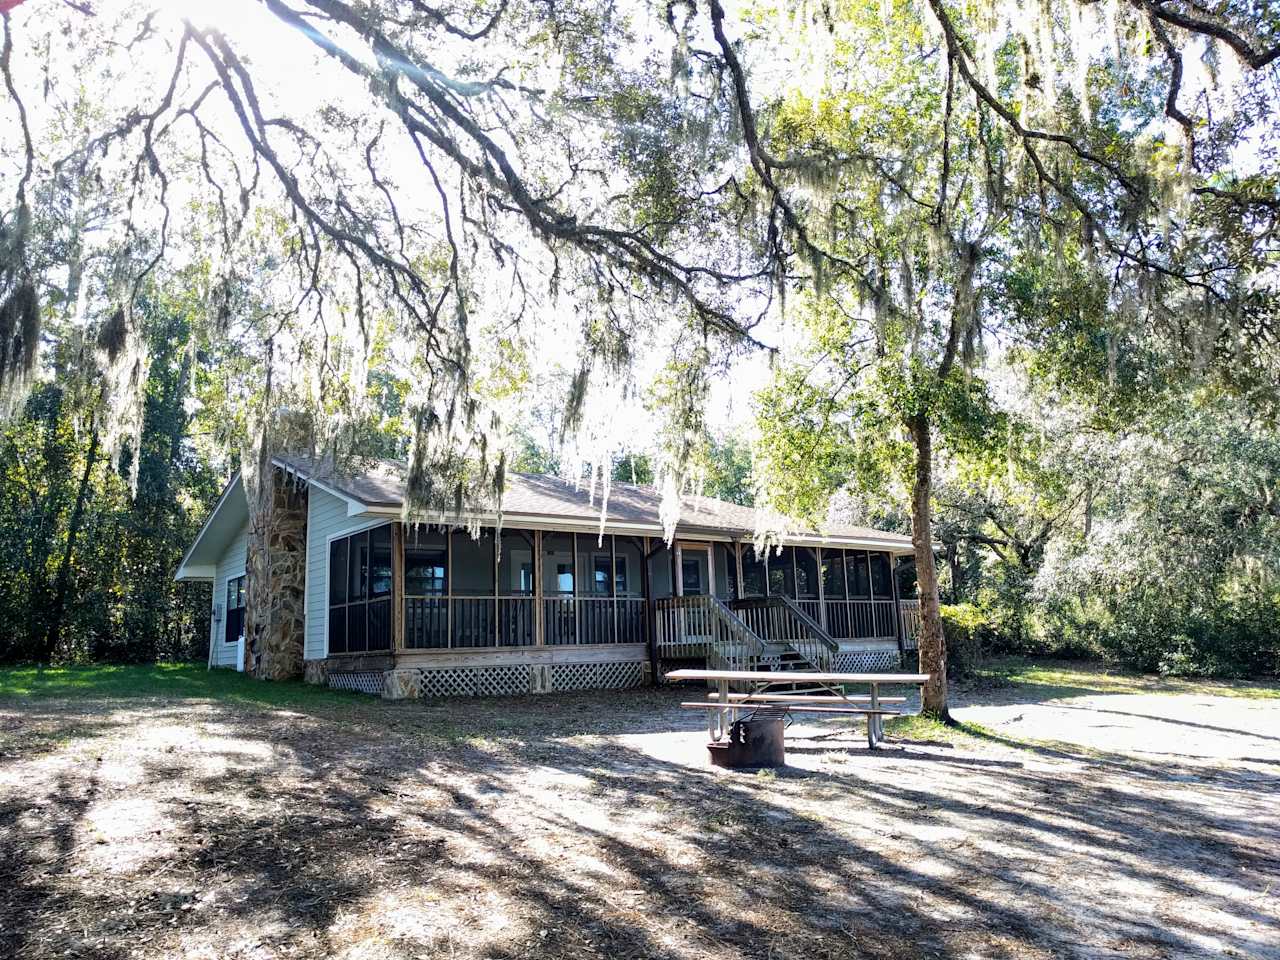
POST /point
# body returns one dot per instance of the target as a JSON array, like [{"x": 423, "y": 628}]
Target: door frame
[{"x": 697, "y": 546}]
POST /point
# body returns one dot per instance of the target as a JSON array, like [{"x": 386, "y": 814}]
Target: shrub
[{"x": 968, "y": 634}]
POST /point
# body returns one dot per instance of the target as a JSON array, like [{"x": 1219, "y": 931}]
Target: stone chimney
[{"x": 276, "y": 568}]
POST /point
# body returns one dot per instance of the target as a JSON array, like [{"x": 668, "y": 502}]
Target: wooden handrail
[
  {"x": 814, "y": 627},
  {"x": 729, "y": 643}
]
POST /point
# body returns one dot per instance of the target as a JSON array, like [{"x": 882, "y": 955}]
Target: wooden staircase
[{"x": 765, "y": 633}]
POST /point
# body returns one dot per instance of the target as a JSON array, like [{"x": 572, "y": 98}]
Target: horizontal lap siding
[
  {"x": 229, "y": 565},
  {"x": 326, "y": 516}
]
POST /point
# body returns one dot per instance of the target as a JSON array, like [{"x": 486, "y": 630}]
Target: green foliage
[
  {"x": 969, "y": 637},
  {"x": 119, "y": 601},
  {"x": 1167, "y": 559}
]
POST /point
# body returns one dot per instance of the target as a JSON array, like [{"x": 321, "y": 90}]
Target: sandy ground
[{"x": 592, "y": 826}]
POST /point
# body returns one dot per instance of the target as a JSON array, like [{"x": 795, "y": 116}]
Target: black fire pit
[{"x": 753, "y": 743}]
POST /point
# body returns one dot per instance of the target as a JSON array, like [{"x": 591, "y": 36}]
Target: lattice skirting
[
  {"x": 524, "y": 678},
  {"x": 364, "y": 682},
  {"x": 494, "y": 681},
  {"x": 866, "y": 661},
  {"x": 596, "y": 676},
  {"x": 515, "y": 679}
]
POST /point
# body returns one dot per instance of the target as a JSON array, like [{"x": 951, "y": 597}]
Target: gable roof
[
  {"x": 229, "y": 516},
  {"x": 537, "y": 500}
]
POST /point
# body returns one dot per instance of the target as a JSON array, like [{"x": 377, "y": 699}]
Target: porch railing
[
  {"x": 588, "y": 620},
  {"x": 910, "y": 612},
  {"x": 442, "y": 623},
  {"x": 782, "y": 620},
  {"x": 858, "y": 619},
  {"x": 701, "y": 626}
]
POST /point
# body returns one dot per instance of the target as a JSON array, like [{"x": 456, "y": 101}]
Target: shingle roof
[{"x": 380, "y": 484}]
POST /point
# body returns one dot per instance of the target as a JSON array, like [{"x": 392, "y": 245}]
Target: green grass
[
  {"x": 166, "y": 681},
  {"x": 1051, "y": 679}
]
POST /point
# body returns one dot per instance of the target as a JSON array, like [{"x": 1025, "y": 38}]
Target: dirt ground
[{"x": 591, "y": 826}]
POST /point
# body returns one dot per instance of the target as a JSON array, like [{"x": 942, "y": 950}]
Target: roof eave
[
  {"x": 185, "y": 568},
  {"x": 586, "y": 525}
]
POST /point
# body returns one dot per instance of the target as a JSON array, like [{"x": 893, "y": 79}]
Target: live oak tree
[{"x": 943, "y": 151}]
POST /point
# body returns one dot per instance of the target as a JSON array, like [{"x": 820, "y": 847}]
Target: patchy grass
[
  {"x": 1053, "y": 679},
  {"x": 166, "y": 681}
]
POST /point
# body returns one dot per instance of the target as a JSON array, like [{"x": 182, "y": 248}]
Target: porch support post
[
  {"x": 898, "y": 633},
  {"x": 651, "y": 633},
  {"x": 397, "y": 586},
  {"x": 822, "y": 591},
  {"x": 737, "y": 553},
  {"x": 539, "y": 613},
  {"x": 677, "y": 576},
  {"x": 448, "y": 584}
]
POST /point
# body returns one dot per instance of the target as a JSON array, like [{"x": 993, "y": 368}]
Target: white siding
[
  {"x": 326, "y": 518},
  {"x": 229, "y": 565}
]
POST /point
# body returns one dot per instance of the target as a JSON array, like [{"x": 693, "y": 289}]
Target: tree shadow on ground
[{"x": 310, "y": 838}]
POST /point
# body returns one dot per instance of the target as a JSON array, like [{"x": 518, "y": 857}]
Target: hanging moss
[
  {"x": 113, "y": 336},
  {"x": 19, "y": 344}
]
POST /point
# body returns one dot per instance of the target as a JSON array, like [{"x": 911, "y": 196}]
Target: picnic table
[{"x": 723, "y": 706}]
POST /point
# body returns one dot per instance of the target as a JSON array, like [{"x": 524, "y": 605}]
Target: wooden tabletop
[{"x": 798, "y": 676}]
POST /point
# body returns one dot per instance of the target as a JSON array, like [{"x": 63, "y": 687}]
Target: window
[
  {"x": 360, "y": 592},
  {"x": 234, "y": 628},
  {"x": 691, "y": 576}
]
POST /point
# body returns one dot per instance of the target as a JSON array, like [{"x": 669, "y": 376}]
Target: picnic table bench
[{"x": 724, "y": 706}]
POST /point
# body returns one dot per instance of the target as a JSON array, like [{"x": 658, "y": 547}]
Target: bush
[{"x": 968, "y": 634}]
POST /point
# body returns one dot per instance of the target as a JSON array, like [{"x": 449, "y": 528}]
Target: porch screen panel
[
  {"x": 557, "y": 588},
  {"x": 861, "y": 613},
  {"x": 379, "y": 607},
  {"x": 660, "y": 573},
  {"x": 360, "y": 592},
  {"x": 632, "y": 610},
  {"x": 754, "y": 578},
  {"x": 839, "y": 620},
  {"x": 471, "y": 579},
  {"x": 882, "y": 594},
  {"x": 806, "y": 573},
  {"x": 782, "y": 574},
  {"x": 726, "y": 565},
  {"x": 516, "y": 613},
  {"x": 595, "y": 585},
  {"x": 337, "y": 596},
  {"x": 806, "y": 561},
  {"x": 357, "y": 592},
  {"x": 426, "y": 587}
]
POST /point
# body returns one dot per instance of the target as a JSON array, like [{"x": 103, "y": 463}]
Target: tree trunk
[
  {"x": 53, "y": 635},
  {"x": 953, "y": 563},
  {"x": 933, "y": 647}
]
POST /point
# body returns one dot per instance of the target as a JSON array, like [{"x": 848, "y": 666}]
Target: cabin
[{"x": 552, "y": 599}]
